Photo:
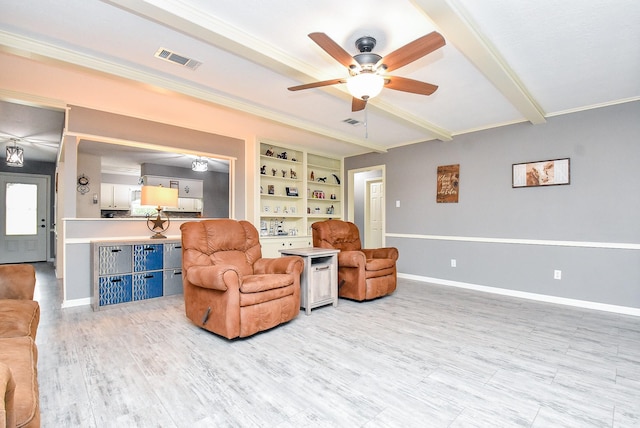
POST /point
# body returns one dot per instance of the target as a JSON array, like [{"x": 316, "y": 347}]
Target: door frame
[
  {"x": 351, "y": 191},
  {"x": 47, "y": 208}
]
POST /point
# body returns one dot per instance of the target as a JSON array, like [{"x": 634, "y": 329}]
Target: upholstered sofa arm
[
  {"x": 381, "y": 253},
  {"x": 213, "y": 277},
  {"x": 353, "y": 259},
  {"x": 286, "y": 264},
  {"x": 7, "y": 394},
  {"x": 17, "y": 281}
]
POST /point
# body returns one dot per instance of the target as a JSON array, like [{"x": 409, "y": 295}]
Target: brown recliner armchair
[
  {"x": 229, "y": 289},
  {"x": 363, "y": 274}
]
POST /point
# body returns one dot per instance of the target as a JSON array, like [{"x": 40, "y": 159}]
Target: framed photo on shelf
[
  {"x": 541, "y": 173},
  {"x": 271, "y": 189},
  {"x": 292, "y": 191}
]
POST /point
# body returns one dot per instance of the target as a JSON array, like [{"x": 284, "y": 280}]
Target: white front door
[
  {"x": 374, "y": 205},
  {"x": 23, "y": 218}
]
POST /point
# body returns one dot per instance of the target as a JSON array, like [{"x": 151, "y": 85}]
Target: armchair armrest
[
  {"x": 353, "y": 258},
  {"x": 212, "y": 277},
  {"x": 286, "y": 264},
  {"x": 381, "y": 253}
]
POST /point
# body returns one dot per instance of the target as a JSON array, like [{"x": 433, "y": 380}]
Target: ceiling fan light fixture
[
  {"x": 15, "y": 155},
  {"x": 365, "y": 86},
  {"x": 199, "y": 165}
]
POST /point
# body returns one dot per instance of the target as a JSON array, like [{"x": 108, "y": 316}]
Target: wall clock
[{"x": 83, "y": 184}]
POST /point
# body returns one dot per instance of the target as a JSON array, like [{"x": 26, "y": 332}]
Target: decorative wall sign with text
[{"x": 448, "y": 187}]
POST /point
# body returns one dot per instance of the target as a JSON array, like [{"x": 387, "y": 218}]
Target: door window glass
[{"x": 21, "y": 209}]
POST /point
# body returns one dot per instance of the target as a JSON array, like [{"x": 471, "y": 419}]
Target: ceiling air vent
[
  {"x": 352, "y": 121},
  {"x": 175, "y": 58}
]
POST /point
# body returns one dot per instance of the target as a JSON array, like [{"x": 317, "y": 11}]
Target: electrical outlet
[
  {"x": 557, "y": 274},
  {"x": 397, "y": 204},
  {"x": 453, "y": 263}
]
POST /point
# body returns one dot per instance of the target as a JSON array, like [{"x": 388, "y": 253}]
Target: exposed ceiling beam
[
  {"x": 192, "y": 22},
  {"x": 449, "y": 16}
]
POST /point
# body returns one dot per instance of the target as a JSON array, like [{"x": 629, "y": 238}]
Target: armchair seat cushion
[
  {"x": 378, "y": 273},
  {"x": 248, "y": 299},
  {"x": 264, "y": 282},
  {"x": 19, "y": 318},
  {"x": 379, "y": 264}
]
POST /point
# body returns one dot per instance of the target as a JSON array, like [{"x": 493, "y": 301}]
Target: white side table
[{"x": 319, "y": 281}]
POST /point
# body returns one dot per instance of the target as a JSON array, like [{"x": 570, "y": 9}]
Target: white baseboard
[
  {"x": 76, "y": 302},
  {"x": 625, "y": 310}
]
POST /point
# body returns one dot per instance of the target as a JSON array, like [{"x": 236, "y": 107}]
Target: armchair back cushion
[
  {"x": 17, "y": 281},
  {"x": 363, "y": 274},
  {"x": 229, "y": 288}
]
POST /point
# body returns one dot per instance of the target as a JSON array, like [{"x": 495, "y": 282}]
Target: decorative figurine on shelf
[
  {"x": 322, "y": 179},
  {"x": 294, "y": 160},
  {"x": 292, "y": 173},
  {"x": 284, "y": 173},
  {"x": 269, "y": 152},
  {"x": 263, "y": 170},
  {"x": 312, "y": 176},
  {"x": 337, "y": 179},
  {"x": 273, "y": 171},
  {"x": 282, "y": 155}
]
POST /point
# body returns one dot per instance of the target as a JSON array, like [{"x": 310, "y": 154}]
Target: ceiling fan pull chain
[{"x": 366, "y": 123}]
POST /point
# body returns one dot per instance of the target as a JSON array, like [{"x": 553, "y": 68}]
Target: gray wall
[{"x": 484, "y": 232}]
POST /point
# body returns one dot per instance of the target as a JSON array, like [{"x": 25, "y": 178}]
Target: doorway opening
[{"x": 366, "y": 208}]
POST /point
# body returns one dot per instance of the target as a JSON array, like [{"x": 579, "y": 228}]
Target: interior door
[
  {"x": 23, "y": 218},
  {"x": 374, "y": 201}
]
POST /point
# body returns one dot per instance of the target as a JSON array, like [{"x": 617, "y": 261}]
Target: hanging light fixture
[
  {"x": 199, "y": 165},
  {"x": 365, "y": 85},
  {"x": 15, "y": 154}
]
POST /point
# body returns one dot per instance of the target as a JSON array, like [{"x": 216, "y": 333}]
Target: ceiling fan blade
[
  {"x": 333, "y": 49},
  {"x": 357, "y": 104},
  {"x": 409, "y": 85},
  {"x": 412, "y": 51},
  {"x": 317, "y": 84}
]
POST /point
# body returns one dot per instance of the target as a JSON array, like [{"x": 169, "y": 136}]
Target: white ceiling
[{"x": 504, "y": 61}]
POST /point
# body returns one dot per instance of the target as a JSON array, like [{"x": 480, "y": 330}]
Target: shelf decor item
[
  {"x": 541, "y": 173},
  {"x": 292, "y": 191}
]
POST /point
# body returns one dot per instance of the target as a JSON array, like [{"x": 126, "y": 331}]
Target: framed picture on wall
[
  {"x": 541, "y": 173},
  {"x": 448, "y": 184}
]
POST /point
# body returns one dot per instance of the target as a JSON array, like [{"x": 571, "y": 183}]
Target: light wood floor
[{"x": 427, "y": 356}]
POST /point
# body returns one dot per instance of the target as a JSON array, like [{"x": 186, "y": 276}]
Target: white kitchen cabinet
[{"x": 115, "y": 196}]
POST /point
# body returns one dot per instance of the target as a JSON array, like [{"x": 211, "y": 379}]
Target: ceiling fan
[{"x": 367, "y": 69}]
